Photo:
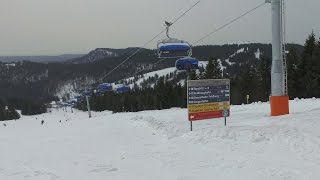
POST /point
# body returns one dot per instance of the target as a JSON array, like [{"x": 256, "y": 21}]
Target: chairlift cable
[
  {"x": 175, "y": 21},
  {"x": 213, "y": 32},
  {"x": 143, "y": 70},
  {"x": 229, "y": 23},
  {"x": 148, "y": 42}
]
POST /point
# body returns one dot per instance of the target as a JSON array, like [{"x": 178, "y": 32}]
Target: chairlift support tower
[{"x": 279, "y": 99}]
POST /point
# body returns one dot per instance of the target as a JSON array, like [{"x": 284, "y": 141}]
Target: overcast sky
[{"x": 51, "y": 27}]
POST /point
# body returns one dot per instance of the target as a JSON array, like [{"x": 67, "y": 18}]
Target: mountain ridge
[
  {"x": 33, "y": 79},
  {"x": 40, "y": 58}
]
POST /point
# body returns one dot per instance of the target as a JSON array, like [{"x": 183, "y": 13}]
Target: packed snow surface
[
  {"x": 257, "y": 54},
  {"x": 230, "y": 63},
  {"x": 157, "y": 145},
  {"x": 238, "y": 52},
  {"x": 160, "y": 73}
]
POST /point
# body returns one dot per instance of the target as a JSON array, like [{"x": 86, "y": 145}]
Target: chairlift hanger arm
[
  {"x": 168, "y": 24},
  {"x": 148, "y": 42}
]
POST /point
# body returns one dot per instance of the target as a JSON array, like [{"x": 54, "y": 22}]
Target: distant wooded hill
[
  {"x": 40, "y": 59},
  {"x": 34, "y": 79}
]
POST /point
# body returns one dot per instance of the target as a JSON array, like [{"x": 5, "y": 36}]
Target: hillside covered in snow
[
  {"x": 158, "y": 145},
  {"x": 39, "y": 80}
]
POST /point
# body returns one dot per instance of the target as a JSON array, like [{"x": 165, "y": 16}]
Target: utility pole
[
  {"x": 279, "y": 99},
  {"x": 87, "y": 97}
]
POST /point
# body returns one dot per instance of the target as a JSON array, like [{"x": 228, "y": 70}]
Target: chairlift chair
[
  {"x": 187, "y": 64},
  {"x": 86, "y": 93},
  {"x": 120, "y": 88},
  {"x": 173, "y": 48},
  {"x": 105, "y": 87}
]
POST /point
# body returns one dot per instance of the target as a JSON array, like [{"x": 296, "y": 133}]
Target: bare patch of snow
[
  {"x": 237, "y": 52},
  {"x": 160, "y": 73},
  {"x": 257, "y": 54},
  {"x": 230, "y": 63}
]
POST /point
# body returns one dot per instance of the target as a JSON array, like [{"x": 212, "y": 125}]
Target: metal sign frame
[{"x": 208, "y": 99}]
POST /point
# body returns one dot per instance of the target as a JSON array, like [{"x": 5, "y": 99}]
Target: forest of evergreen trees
[
  {"x": 251, "y": 79},
  {"x": 28, "y": 106},
  {"x": 9, "y": 106},
  {"x": 164, "y": 95},
  {"x": 248, "y": 77},
  {"x": 254, "y": 79},
  {"x": 7, "y": 112},
  {"x": 304, "y": 70}
]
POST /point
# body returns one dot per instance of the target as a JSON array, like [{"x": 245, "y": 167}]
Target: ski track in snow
[{"x": 158, "y": 145}]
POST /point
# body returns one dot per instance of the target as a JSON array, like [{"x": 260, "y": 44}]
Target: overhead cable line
[
  {"x": 148, "y": 42},
  {"x": 173, "y": 22},
  {"x": 143, "y": 69},
  {"x": 211, "y": 33},
  {"x": 229, "y": 23}
]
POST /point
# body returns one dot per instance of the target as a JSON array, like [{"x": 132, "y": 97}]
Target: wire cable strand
[
  {"x": 213, "y": 32},
  {"x": 175, "y": 21},
  {"x": 148, "y": 42},
  {"x": 229, "y": 23},
  {"x": 144, "y": 70}
]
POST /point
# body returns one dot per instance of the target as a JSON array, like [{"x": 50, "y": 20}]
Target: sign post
[
  {"x": 208, "y": 99},
  {"x": 225, "y": 115}
]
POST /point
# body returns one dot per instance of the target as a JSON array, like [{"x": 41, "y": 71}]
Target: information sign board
[{"x": 208, "y": 99}]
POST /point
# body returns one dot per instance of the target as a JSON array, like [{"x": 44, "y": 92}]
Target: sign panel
[{"x": 208, "y": 99}]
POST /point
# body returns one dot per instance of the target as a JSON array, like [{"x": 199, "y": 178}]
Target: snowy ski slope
[
  {"x": 157, "y": 145},
  {"x": 160, "y": 73}
]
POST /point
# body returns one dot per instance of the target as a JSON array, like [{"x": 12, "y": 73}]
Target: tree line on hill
[
  {"x": 254, "y": 79},
  {"x": 304, "y": 70},
  {"x": 9, "y": 107},
  {"x": 164, "y": 95},
  {"x": 248, "y": 76},
  {"x": 33, "y": 80},
  {"x": 251, "y": 78},
  {"x": 7, "y": 112}
]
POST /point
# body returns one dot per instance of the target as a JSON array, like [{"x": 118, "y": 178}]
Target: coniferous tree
[
  {"x": 248, "y": 81},
  {"x": 213, "y": 70},
  {"x": 236, "y": 95},
  {"x": 293, "y": 77},
  {"x": 200, "y": 75},
  {"x": 315, "y": 84},
  {"x": 33, "y": 107},
  {"x": 310, "y": 45},
  {"x": 264, "y": 78},
  {"x": 308, "y": 81},
  {"x": 193, "y": 75},
  {"x": 7, "y": 112}
]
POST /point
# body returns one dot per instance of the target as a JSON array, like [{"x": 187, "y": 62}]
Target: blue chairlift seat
[
  {"x": 173, "y": 48},
  {"x": 99, "y": 92},
  {"x": 102, "y": 88},
  {"x": 105, "y": 87},
  {"x": 86, "y": 93},
  {"x": 187, "y": 64},
  {"x": 120, "y": 88},
  {"x": 78, "y": 97}
]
